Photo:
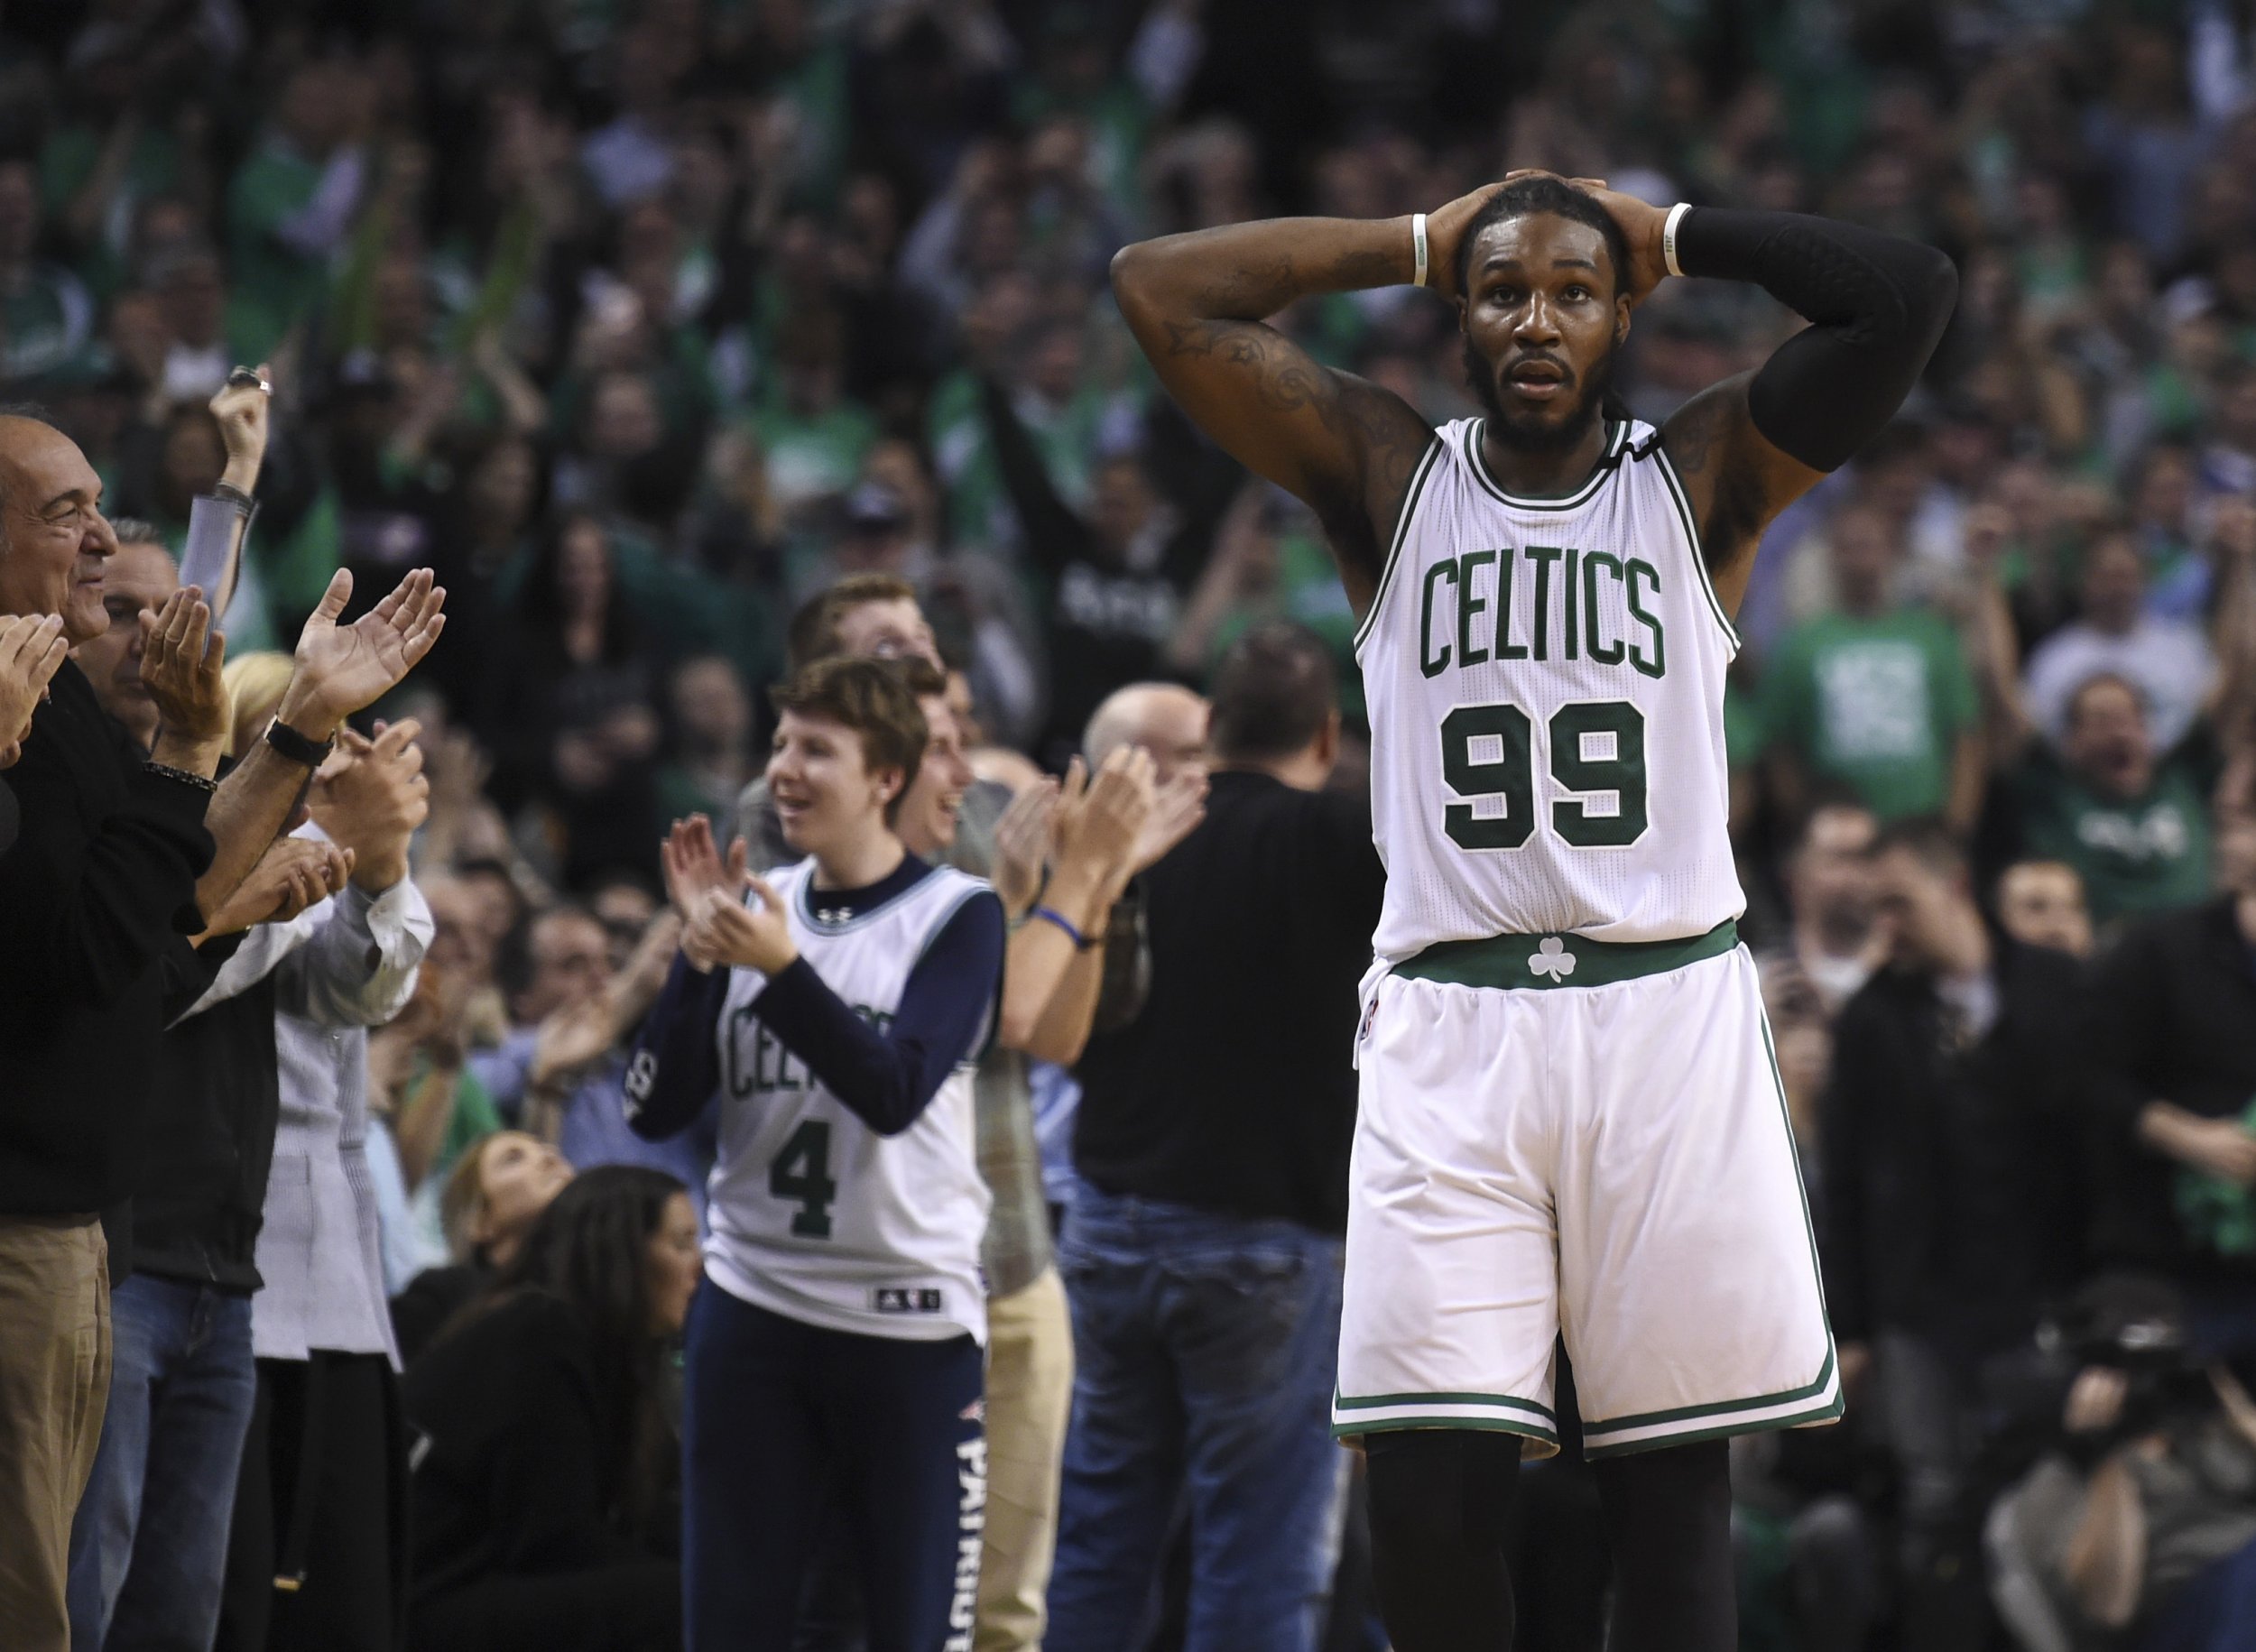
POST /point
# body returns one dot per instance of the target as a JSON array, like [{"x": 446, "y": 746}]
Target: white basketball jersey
[
  {"x": 814, "y": 1215},
  {"x": 1545, "y": 679}
]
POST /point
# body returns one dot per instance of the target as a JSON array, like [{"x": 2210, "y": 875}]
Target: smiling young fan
[
  {"x": 836, "y": 1008},
  {"x": 1569, "y": 1122}
]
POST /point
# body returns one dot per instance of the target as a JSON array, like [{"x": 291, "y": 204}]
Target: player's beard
[{"x": 1527, "y": 432}]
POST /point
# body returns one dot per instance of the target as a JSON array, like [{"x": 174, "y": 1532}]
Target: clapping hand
[
  {"x": 180, "y": 661},
  {"x": 745, "y": 937},
  {"x": 695, "y": 874},
  {"x": 1177, "y": 808},
  {"x": 294, "y": 873},
  {"x": 1021, "y": 846},
  {"x": 1099, "y": 827},
  {"x": 33, "y": 649},
  {"x": 372, "y": 794},
  {"x": 343, "y": 668}
]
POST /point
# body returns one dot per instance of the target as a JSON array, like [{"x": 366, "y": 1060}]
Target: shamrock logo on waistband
[{"x": 1551, "y": 959}]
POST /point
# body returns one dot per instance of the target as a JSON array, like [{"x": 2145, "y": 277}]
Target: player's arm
[
  {"x": 1748, "y": 448},
  {"x": 1197, "y": 304}
]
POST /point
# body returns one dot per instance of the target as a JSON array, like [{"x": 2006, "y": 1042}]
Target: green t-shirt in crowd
[
  {"x": 2147, "y": 854},
  {"x": 1875, "y": 703}
]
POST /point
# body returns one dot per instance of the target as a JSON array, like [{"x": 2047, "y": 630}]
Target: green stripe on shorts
[{"x": 1562, "y": 960}]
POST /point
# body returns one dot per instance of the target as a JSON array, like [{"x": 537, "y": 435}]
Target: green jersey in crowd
[{"x": 1876, "y": 703}]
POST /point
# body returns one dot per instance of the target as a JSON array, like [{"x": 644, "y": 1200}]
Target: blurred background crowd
[{"x": 642, "y": 322}]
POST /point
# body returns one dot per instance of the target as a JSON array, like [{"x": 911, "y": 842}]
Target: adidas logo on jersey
[{"x": 900, "y": 1299}]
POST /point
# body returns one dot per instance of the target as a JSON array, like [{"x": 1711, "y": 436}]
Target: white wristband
[
  {"x": 1418, "y": 247},
  {"x": 1668, "y": 236}
]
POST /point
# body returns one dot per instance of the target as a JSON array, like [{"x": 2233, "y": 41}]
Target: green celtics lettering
[{"x": 1541, "y": 603}]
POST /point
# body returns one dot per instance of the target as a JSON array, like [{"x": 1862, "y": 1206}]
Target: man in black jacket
[
  {"x": 113, "y": 857},
  {"x": 1950, "y": 1135},
  {"x": 1203, "y": 1255},
  {"x": 2173, "y": 1041}
]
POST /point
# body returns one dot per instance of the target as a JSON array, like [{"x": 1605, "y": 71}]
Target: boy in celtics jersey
[{"x": 1571, "y": 1125}]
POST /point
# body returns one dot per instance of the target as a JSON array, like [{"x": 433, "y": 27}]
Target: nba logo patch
[{"x": 1370, "y": 1014}]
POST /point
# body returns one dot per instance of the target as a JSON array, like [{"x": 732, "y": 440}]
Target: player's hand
[
  {"x": 1641, "y": 222},
  {"x": 745, "y": 936},
  {"x": 1444, "y": 229}
]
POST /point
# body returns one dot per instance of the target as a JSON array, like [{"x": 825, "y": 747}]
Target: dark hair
[
  {"x": 1273, "y": 692},
  {"x": 918, "y": 675},
  {"x": 873, "y": 698},
  {"x": 814, "y": 630},
  {"x": 541, "y": 603},
  {"x": 589, "y": 1251},
  {"x": 1927, "y": 839},
  {"x": 1526, "y": 197}
]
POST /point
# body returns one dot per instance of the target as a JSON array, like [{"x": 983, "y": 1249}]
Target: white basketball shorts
[{"x": 1562, "y": 1137}]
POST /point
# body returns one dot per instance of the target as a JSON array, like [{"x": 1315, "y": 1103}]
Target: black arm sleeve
[{"x": 1877, "y": 306}]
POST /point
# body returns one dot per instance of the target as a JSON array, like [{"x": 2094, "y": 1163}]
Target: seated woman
[
  {"x": 497, "y": 1190},
  {"x": 544, "y": 1505},
  {"x": 835, "y": 1363}
]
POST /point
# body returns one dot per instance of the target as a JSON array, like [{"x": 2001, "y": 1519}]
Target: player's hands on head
[
  {"x": 1642, "y": 224},
  {"x": 1444, "y": 227},
  {"x": 745, "y": 936},
  {"x": 33, "y": 649}
]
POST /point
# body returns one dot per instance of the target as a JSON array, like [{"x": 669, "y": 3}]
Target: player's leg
[
  {"x": 753, "y": 1466},
  {"x": 1451, "y": 1303},
  {"x": 1440, "y": 1511},
  {"x": 912, "y": 1464},
  {"x": 1668, "y": 1517},
  {"x": 1689, "y": 1297}
]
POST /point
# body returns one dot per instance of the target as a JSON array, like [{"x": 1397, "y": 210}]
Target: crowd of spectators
[{"x": 643, "y": 324}]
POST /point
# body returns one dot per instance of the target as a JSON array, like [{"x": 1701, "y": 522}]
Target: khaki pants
[
  {"x": 1030, "y": 1398},
  {"x": 54, "y": 1386}
]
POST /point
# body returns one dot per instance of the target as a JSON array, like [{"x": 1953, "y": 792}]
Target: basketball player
[
  {"x": 833, "y": 1362},
  {"x": 1570, "y": 1123}
]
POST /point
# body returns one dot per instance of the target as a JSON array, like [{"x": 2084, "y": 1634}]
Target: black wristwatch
[{"x": 297, "y": 747}]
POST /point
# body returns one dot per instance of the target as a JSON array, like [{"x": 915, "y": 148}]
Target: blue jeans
[
  {"x": 1206, "y": 1348},
  {"x": 149, "y": 1546}
]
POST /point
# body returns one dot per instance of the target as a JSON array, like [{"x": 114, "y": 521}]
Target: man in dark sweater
[
  {"x": 114, "y": 857},
  {"x": 1203, "y": 1258},
  {"x": 2172, "y": 1021},
  {"x": 1952, "y": 1205}
]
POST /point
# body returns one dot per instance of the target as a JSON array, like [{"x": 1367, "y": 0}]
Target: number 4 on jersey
[
  {"x": 800, "y": 1174},
  {"x": 1505, "y": 767}
]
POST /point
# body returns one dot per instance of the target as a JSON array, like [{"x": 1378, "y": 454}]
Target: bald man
[{"x": 1165, "y": 719}]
